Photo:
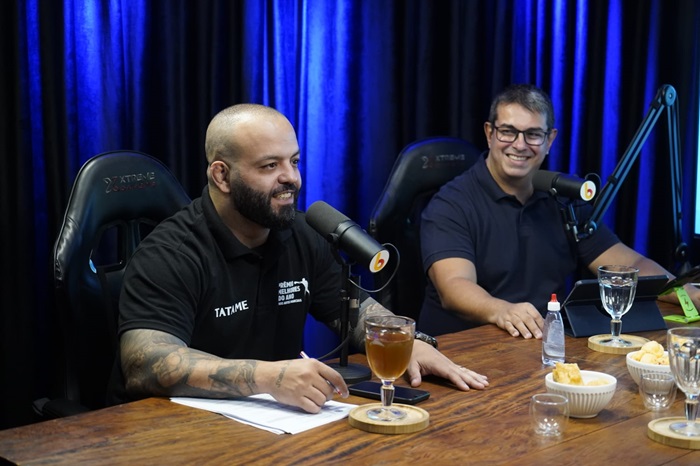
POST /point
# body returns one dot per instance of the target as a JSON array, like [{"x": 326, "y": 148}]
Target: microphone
[
  {"x": 347, "y": 235},
  {"x": 561, "y": 184}
]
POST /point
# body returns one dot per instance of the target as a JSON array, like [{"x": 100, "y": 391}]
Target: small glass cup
[
  {"x": 549, "y": 414},
  {"x": 658, "y": 390}
]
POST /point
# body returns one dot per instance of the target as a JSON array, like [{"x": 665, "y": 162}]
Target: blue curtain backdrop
[{"x": 359, "y": 79}]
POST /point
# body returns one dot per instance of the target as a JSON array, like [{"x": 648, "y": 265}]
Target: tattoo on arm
[
  {"x": 278, "y": 382},
  {"x": 235, "y": 380},
  {"x": 157, "y": 363},
  {"x": 368, "y": 308}
]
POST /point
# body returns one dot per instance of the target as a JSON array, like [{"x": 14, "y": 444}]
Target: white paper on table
[{"x": 263, "y": 412}]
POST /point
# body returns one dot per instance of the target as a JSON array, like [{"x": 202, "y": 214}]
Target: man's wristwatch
[{"x": 426, "y": 338}]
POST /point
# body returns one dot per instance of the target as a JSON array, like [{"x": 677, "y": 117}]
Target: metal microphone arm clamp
[
  {"x": 665, "y": 99},
  {"x": 333, "y": 239}
]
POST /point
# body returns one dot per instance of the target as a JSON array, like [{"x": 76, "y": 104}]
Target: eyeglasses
[{"x": 509, "y": 134}]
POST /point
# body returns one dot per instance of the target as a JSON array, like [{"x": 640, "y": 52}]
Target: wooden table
[{"x": 476, "y": 427}]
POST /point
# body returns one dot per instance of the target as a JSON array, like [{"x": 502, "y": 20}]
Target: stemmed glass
[
  {"x": 684, "y": 357},
  {"x": 388, "y": 344},
  {"x": 618, "y": 285}
]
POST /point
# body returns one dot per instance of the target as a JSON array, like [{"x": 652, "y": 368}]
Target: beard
[{"x": 257, "y": 206}]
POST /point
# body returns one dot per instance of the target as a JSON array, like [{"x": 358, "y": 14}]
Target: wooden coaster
[
  {"x": 416, "y": 419},
  {"x": 595, "y": 345},
  {"x": 659, "y": 431}
]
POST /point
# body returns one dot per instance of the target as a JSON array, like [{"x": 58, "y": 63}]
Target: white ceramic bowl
[
  {"x": 636, "y": 368},
  {"x": 585, "y": 401}
]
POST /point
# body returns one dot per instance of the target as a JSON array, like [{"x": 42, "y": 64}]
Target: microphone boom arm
[{"x": 665, "y": 99}]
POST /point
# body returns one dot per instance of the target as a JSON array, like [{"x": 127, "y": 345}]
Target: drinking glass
[
  {"x": 549, "y": 414},
  {"x": 388, "y": 344},
  {"x": 658, "y": 390},
  {"x": 618, "y": 285},
  {"x": 684, "y": 358}
]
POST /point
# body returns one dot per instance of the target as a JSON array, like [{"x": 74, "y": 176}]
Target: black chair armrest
[{"x": 60, "y": 407}]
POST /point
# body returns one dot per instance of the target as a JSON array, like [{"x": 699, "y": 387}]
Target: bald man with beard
[{"x": 212, "y": 304}]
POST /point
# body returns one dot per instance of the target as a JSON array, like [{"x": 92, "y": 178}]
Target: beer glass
[{"x": 388, "y": 345}]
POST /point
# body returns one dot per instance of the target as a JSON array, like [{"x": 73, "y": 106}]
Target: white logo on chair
[
  {"x": 130, "y": 182},
  {"x": 432, "y": 161}
]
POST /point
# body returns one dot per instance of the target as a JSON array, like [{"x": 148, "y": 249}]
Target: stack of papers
[{"x": 263, "y": 412}]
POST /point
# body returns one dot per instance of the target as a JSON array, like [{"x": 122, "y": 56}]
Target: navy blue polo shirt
[{"x": 522, "y": 253}]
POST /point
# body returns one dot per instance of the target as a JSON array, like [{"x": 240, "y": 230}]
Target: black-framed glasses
[{"x": 533, "y": 137}]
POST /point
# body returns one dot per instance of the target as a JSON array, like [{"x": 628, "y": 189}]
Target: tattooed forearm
[
  {"x": 239, "y": 379},
  {"x": 156, "y": 363},
  {"x": 369, "y": 307}
]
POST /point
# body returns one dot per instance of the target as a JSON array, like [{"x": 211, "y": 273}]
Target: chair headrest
[
  {"x": 421, "y": 167},
  {"x": 111, "y": 188}
]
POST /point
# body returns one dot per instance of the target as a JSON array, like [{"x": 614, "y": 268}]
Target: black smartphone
[{"x": 406, "y": 395}]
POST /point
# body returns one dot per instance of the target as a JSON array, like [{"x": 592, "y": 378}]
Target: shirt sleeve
[
  {"x": 590, "y": 248},
  {"x": 444, "y": 231},
  {"x": 159, "y": 294}
]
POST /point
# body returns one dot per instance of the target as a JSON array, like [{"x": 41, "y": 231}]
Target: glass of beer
[{"x": 388, "y": 344}]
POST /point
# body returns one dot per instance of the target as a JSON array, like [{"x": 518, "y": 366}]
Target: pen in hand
[{"x": 305, "y": 356}]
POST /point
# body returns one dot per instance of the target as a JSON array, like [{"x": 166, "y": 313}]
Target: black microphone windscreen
[
  {"x": 323, "y": 218},
  {"x": 347, "y": 236},
  {"x": 542, "y": 180}
]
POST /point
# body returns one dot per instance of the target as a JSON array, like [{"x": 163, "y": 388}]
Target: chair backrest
[
  {"x": 420, "y": 170},
  {"x": 117, "y": 198}
]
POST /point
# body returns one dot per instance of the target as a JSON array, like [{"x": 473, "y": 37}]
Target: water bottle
[{"x": 553, "y": 335}]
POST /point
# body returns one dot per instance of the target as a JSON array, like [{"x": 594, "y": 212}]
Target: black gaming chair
[
  {"x": 420, "y": 170},
  {"x": 117, "y": 198}
]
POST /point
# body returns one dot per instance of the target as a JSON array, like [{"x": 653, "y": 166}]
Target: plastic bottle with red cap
[{"x": 553, "y": 350}]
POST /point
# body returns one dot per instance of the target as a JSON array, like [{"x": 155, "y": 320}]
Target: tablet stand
[{"x": 690, "y": 313}]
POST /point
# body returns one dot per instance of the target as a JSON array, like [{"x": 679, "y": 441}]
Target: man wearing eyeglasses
[{"x": 494, "y": 248}]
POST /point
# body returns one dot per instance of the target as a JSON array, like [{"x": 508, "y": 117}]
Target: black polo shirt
[{"x": 193, "y": 279}]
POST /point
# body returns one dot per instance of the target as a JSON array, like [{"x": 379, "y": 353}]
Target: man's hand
[
  {"x": 693, "y": 294},
  {"x": 157, "y": 363},
  {"x": 301, "y": 382},
  {"x": 520, "y": 319},
  {"x": 427, "y": 360}
]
